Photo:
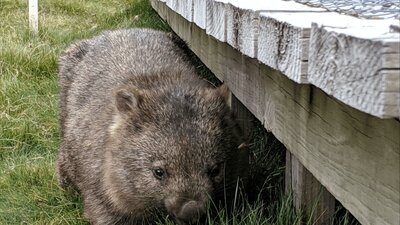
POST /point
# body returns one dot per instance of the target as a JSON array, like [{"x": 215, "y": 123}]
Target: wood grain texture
[
  {"x": 354, "y": 155},
  {"x": 243, "y": 22},
  {"x": 184, "y": 8},
  {"x": 356, "y": 70},
  {"x": 278, "y": 34},
  {"x": 216, "y": 20},
  {"x": 242, "y": 29},
  {"x": 284, "y": 47},
  {"x": 248, "y": 31},
  {"x": 309, "y": 195},
  {"x": 200, "y": 13}
]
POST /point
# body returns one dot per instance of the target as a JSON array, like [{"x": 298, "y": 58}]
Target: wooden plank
[
  {"x": 284, "y": 47},
  {"x": 284, "y": 39},
  {"x": 355, "y": 70},
  {"x": 278, "y": 34},
  {"x": 309, "y": 195},
  {"x": 353, "y": 154},
  {"x": 238, "y": 23},
  {"x": 376, "y": 100},
  {"x": 184, "y": 8},
  {"x": 34, "y": 15},
  {"x": 242, "y": 29},
  {"x": 216, "y": 19},
  {"x": 243, "y": 21},
  {"x": 200, "y": 13}
]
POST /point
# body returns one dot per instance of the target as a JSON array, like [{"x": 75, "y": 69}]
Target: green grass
[{"x": 29, "y": 136}]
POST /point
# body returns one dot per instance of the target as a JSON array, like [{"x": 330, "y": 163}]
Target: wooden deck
[
  {"x": 310, "y": 45},
  {"x": 320, "y": 81}
]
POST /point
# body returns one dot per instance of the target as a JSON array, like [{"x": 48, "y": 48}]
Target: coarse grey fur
[{"x": 141, "y": 134}]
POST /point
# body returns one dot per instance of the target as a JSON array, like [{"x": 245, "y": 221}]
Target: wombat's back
[{"x": 91, "y": 70}]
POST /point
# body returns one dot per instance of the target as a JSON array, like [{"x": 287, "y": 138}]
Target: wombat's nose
[{"x": 191, "y": 211}]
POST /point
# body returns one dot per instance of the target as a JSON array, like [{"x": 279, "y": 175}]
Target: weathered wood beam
[
  {"x": 361, "y": 67},
  {"x": 199, "y": 13},
  {"x": 309, "y": 196},
  {"x": 280, "y": 34},
  {"x": 215, "y": 19},
  {"x": 184, "y": 8}
]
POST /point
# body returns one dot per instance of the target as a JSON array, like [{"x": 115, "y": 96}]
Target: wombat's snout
[{"x": 186, "y": 211}]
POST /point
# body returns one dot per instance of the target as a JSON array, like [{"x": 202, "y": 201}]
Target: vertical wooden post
[
  {"x": 309, "y": 195},
  {"x": 33, "y": 15},
  {"x": 243, "y": 116}
]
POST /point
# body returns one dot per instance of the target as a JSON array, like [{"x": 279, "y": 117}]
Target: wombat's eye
[{"x": 158, "y": 173}]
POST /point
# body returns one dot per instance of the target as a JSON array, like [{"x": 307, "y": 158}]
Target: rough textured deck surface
[
  {"x": 355, "y": 60},
  {"x": 372, "y": 9}
]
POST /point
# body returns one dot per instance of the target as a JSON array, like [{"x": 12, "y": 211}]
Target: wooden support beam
[{"x": 309, "y": 195}]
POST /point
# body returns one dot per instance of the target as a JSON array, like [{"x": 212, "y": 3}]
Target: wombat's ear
[{"x": 127, "y": 100}]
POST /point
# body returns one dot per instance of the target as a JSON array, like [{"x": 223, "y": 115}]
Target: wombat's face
[{"x": 171, "y": 152}]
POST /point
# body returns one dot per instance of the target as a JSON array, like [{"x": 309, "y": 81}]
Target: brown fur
[{"x": 130, "y": 102}]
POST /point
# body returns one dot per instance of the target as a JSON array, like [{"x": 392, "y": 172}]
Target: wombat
[{"x": 141, "y": 134}]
